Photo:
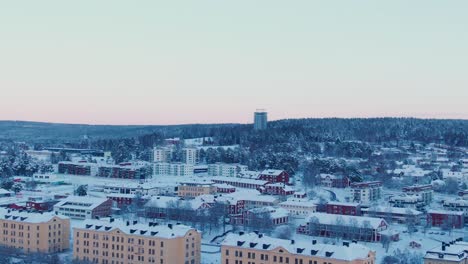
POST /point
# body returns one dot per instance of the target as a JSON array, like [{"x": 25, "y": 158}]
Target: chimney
[
  {"x": 241, "y": 233},
  {"x": 314, "y": 242},
  {"x": 128, "y": 223},
  {"x": 169, "y": 225},
  {"x": 443, "y": 246},
  {"x": 346, "y": 244},
  {"x": 292, "y": 241},
  {"x": 260, "y": 235},
  {"x": 111, "y": 220}
]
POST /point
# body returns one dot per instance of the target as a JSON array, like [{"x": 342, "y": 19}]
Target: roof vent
[
  {"x": 252, "y": 245},
  {"x": 154, "y": 233},
  {"x": 89, "y": 226},
  {"x": 107, "y": 228},
  {"x": 240, "y": 243},
  {"x": 132, "y": 231},
  {"x": 266, "y": 246},
  {"x": 299, "y": 250},
  {"x": 313, "y": 252},
  {"x": 328, "y": 254},
  {"x": 142, "y": 232}
]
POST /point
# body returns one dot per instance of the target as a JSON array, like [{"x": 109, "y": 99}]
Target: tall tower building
[{"x": 260, "y": 119}]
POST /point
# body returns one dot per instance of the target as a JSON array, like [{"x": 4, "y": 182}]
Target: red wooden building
[
  {"x": 343, "y": 208},
  {"x": 274, "y": 176},
  {"x": 445, "y": 219}
]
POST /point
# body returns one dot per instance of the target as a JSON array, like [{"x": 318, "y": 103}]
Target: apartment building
[
  {"x": 173, "y": 169},
  {"x": 394, "y": 214},
  {"x": 335, "y": 181},
  {"x": 77, "y": 168},
  {"x": 34, "y": 232},
  {"x": 258, "y": 248},
  {"x": 413, "y": 201},
  {"x": 446, "y": 219},
  {"x": 116, "y": 241},
  {"x": 342, "y": 208},
  {"x": 125, "y": 171},
  {"x": 459, "y": 205},
  {"x": 84, "y": 207},
  {"x": 273, "y": 176},
  {"x": 426, "y": 192},
  {"x": 365, "y": 192},
  {"x": 455, "y": 252},
  {"x": 298, "y": 208},
  {"x": 194, "y": 189},
  {"x": 162, "y": 154},
  {"x": 349, "y": 227},
  {"x": 226, "y": 170},
  {"x": 190, "y": 155}
]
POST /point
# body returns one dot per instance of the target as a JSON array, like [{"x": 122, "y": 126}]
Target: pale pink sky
[{"x": 160, "y": 63}]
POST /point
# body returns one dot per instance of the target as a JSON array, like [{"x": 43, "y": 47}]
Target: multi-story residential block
[
  {"x": 173, "y": 169},
  {"x": 348, "y": 227},
  {"x": 133, "y": 187},
  {"x": 335, "y": 181},
  {"x": 412, "y": 201},
  {"x": 226, "y": 169},
  {"x": 84, "y": 207},
  {"x": 125, "y": 171},
  {"x": 459, "y": 205},
  {"x": 258, "y": 248},
  {"x": 274, "y": 176},
  {"x": 299, "y": 208},
  {"x": 190, "y": 155},
  {"x": 77, "y": 168},
  {"x": 261, "y": 217},
  {"x": 426, "y": 192},
  {"x": 121, "y": 199},
  {"x": 162, "y": 154},
  {"x": 277, "y": 189},
  {"x": 455, "y": 252},
  {"x": 394, "y": 214},
  {"x": 34, "y": 232},
  {"x": 366, "y": 192},
  {"x": 165, "y": 207},
  {"x": 445, "y": 219},
  {"x": 115, "y": 241},
  {"x": 343, "y": 208},
  {"x": 41, "y": 155},
  {"x": 193, "y": 189}
]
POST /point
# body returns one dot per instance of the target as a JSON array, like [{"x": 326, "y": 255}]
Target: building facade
[
  {"x": 194, "y": 189},
  {"x": 173, "y": 169},
  {"x": 455, "y": 252},
  {"x": 226, "y": 170},
  {"x": 426, "y": 192},
  {"x": 84, "y": 207},
  {"x": 365, "y": 192},
  {"x": 260, "y": 120},
  {"x": 34, "y": 232},
  {"x": 115, "y": 241},
  {"x": 258, "y": 248}
]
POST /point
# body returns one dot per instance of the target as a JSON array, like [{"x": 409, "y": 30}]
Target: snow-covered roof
[
  {"x": 298, "y": 203},
  {"x": 28, "y": 217},
  {"x": 81, "y": 202},
  {"x": 160, "y": 231},
  {"x": 331, "y": 219},
  {"x": 275, "y": 212},
  {"x": 455, "y": 252},
  {"x": 168, "y": 201},
  {"x": 240, "y": 180},
  {"x": 444, "y": 212},
  {"x": 223, "y": 186},
  {"x": 3, "y": 191},
  {"x": 272, "y": 172},
  {"x": 395, "y": 210},
  {"x": 343, "y": 204},
  {"x": 261, "y": 242}
]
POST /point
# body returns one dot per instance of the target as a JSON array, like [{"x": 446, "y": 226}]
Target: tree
[
  {"x": 82, "y": 190},
  {"x": 17, "y": 187},
  {"x": 451, "y": 185},
  {"x": 7, "y": 184}
]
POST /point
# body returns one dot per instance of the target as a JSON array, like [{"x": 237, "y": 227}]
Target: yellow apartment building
[
  {"x": 34, "y": 232},
  {"x": 124, "y": 242},
  {"x": 259, "y": 249}
]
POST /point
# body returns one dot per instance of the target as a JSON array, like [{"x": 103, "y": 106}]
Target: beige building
[
  {"x": 34, "y": 232},
  {"x": 115, "y": 241},
  {"x": 194, "y": 189},
  {"x": 257, "y": 248},
  {"x": 455, "y": 252},
  {"x": 299, "y": 208}
]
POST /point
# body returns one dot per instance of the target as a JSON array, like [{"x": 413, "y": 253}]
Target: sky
[{"x": 174, "y": 62}]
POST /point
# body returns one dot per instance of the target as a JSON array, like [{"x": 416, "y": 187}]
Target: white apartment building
[
  {"x": 84, "y": 207},
  {"x": 162, "y": 154},
  {"x": 366, "y": 192},
  {"x": 190, "y": 155},
  {"x": 226, "y": 170},
  {"x": 173, "y": 169}
]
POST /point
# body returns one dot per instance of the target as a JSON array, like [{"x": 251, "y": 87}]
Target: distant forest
[{"x": 375, "y": 130}]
